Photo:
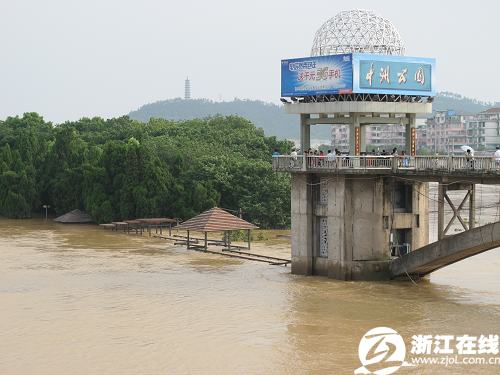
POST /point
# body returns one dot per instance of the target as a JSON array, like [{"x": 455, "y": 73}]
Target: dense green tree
[{"x": 120, "y": 168}]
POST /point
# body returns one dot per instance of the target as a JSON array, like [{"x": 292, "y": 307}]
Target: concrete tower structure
[{"x": 347, "y": 224}]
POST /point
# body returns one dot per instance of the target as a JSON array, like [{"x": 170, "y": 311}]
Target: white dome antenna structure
[{"x": 357, "y": 31}]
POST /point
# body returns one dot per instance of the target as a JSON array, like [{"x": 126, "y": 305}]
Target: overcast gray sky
[{"x": 71, "y": 58}]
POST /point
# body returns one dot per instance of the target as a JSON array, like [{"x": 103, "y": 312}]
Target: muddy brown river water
[{"x": 80, "y": 300}]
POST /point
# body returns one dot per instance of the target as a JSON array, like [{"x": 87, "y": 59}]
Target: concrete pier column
[
  {"x": 302, "y": 224},
  {"x": 305, "y": 132},
  {"x": 411, "y": 134}
]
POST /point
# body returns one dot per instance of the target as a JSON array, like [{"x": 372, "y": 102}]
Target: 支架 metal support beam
[
  {"x": 443, "y": 197},
  {"x": 441, "y": 192}
]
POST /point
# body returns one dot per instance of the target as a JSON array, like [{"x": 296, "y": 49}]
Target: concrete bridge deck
[
  {"x": 483, "y": 170},
  {"x": 449, "y": 250}
]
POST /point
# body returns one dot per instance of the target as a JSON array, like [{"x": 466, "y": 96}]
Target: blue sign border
[
  {"x": 429, "y": 64},
  {"x": 335, "y": 72}
]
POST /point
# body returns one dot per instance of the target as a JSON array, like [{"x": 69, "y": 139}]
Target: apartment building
[{"x": 483, "y": 130}]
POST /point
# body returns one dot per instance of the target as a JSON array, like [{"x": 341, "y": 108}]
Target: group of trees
[{"x": 120, "y": 168}]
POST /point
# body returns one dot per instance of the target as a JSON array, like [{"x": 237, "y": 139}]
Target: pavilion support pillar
[
  {"x": 354, "y": 135},
  {"x": 206, "y": 241},
  {"x": 187, "y": 240},
  {"x": 305, "y": 132},
  {"x": 411, "y": 135},
  {"x": 248, "y": 238}
]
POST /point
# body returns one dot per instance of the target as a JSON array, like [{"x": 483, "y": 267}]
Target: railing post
[
  {"x": 304, "y": 163},
  {"x": 450, "y": 163}
]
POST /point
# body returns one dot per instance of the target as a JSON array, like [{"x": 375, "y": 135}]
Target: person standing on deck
[
  {"x": 293, "y": 154},
  {"x": 496, "y": 156},
  {"x": 330, "y": 159},
  {"x": 406, "y": 161},
  {"x": 469, "y": 156}
]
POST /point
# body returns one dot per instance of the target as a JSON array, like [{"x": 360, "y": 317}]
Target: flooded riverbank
[{"x": 81, "y": 300}]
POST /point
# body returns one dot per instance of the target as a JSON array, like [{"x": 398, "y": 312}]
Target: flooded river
[{"x": 81, "y": 300}]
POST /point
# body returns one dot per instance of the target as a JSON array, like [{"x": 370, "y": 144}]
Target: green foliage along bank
[{"x": 119, "y": 169}]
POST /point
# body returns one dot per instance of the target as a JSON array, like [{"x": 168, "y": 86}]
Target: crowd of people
[
  {"x": 332, "y": 156},
  {"x": 404, "y": 160}
]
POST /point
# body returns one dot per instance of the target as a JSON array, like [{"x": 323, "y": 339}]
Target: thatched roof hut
[{"x": 74, "y": 217}]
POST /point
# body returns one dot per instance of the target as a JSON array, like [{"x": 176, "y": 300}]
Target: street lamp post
[{"x": 46, "y": 206}]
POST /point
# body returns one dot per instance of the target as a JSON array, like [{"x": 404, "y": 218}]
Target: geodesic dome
[{"x": 357, "y": 31}]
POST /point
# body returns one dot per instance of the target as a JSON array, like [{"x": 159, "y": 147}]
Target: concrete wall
[
  {"x": 358, "y": 107},
  {"x": 301, "y": 215},
  {"x": 360, "y": 217}
]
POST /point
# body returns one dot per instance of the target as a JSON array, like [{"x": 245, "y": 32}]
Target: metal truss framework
[
  {"x": 357, "y": 31},
  {"x": 443, "y": 197},
  {"x": 361, "y": 98}
]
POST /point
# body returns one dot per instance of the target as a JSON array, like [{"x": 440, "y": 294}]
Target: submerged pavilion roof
[
  {"x": 75, "y": 216},
  {"x": 215, "y": 220}
]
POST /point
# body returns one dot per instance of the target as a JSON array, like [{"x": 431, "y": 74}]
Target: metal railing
[{"x": 394, "y": 163}]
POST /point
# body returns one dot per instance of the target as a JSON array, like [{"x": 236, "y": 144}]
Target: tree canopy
[{"x": 120, "y": 168}]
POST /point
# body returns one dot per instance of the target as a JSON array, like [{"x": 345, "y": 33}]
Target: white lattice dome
[{"x": 357, "y": 31}]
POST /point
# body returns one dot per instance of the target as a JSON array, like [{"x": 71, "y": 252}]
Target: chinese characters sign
[
  {"x": 357, "y": 141},
  {"x": 357, "y": 73},
  {"x": 316, "y": 75},
  {"x": 450, "y": 344},
  {"x": 413, "y": 141},
  {"x": 377, "y": 74}
]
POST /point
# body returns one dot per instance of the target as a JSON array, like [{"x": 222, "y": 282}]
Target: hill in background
[
  {"x": 447, "y": 100},
  {"x": 268, "y": 116},
  {"x": 271, "y": 117}
]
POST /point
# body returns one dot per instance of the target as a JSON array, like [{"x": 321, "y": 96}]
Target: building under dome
[{"x": 357, "y": 31}]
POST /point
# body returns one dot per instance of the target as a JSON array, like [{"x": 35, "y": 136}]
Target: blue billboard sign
[
  {"x": 317, "y": 75},
  {"x": 385, "y": 74},
  {"x": 358, "y": 73}
]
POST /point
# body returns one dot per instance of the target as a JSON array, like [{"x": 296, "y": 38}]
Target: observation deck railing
[{"x": 384, "y": 164}]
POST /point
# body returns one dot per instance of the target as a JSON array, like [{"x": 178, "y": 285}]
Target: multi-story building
[
  {"x": 378, "y": 137},
  {"x": 446, "y": 131},
  {"x": 340, "y": 137},
  {"x": 422, "y": 136},
  {"x": 483, "y": 130}
]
